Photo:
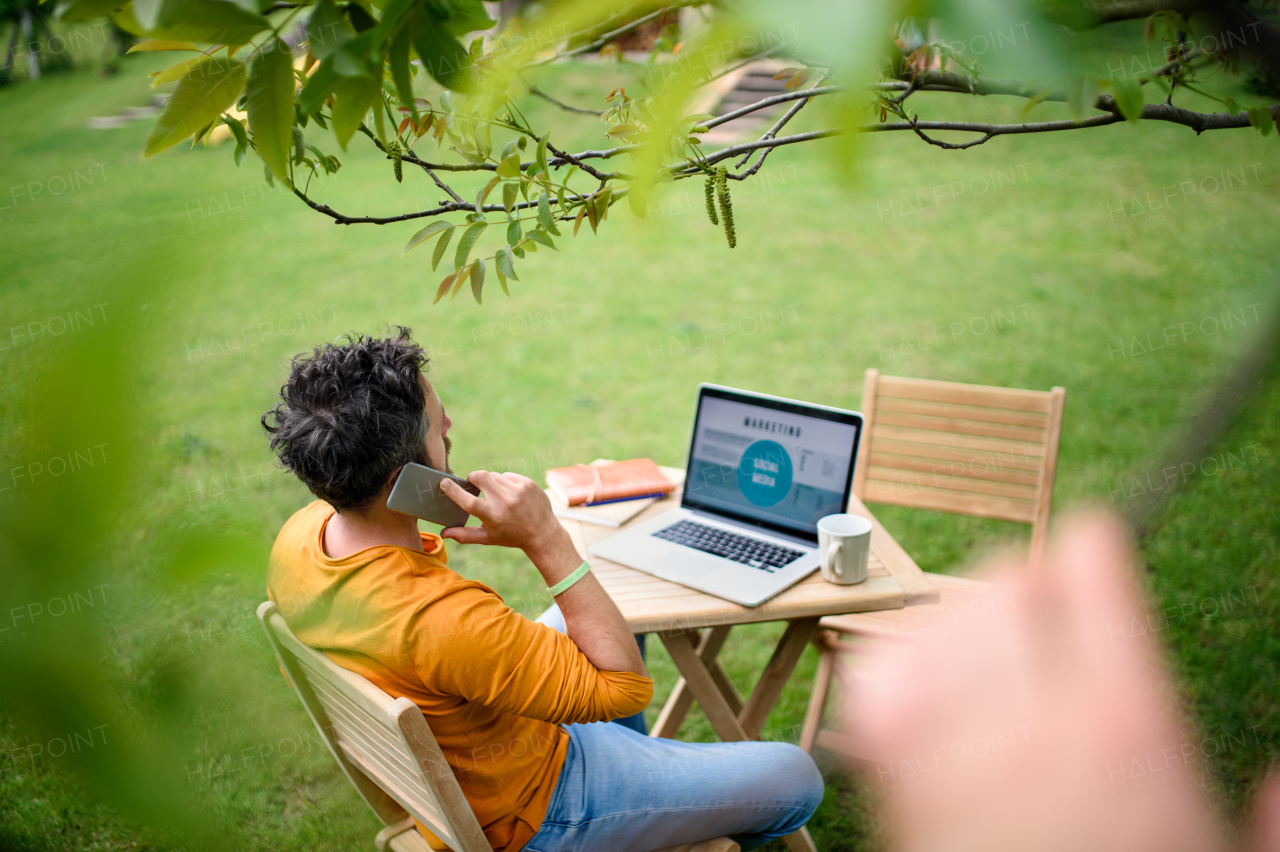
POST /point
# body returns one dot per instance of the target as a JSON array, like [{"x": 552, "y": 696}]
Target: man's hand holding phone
[{"x": 514, "y": 512}]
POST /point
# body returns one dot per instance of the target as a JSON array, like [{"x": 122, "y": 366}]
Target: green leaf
[
  {"x": 425, "y": 234},
  {"x": 327, "y": 30},
  {"x": 1232, "y": 106},
  {"x": 392, "y": 12},
  {"x": 484, "y": 193},
  {"x": 510, "y": 166},
  {"x": 201, "y": 96},
  {"x": 441, "y": 246},
  {"x": 125, "y": 19},
  {"x": 269, "y": 103},
  {"x": 505, "y": 264},
  {"x": 647, "y": 115},
  {"x": 513, "y": 233},
  {"x": 469, "y": 237},
  {"x": 477, "y": 278},
  {"x": 352, "y": 98},
  {"x": 1128, "y": 96},
  {"x": 541, "y": 237},
  {"x": 175, "y": 72},
  {"x": 213, "y": 21},
  {"x": 1261, "y": 119},
  {"x": 360, "y": 17},
  {"x": 237, "y": 130},
  {"x": 350, "y": 60},
  {"x": 465, "y": 16},
  {"x": 502, "y": 280},
  {"x": 79, "y": 11},
  {"x": 441, "y": 55},
  {"x": 318, "y": 88},
  {"x": 541, "y": 158},
  {"x": 509, "y": 193},
  {"x": 147, "y": 12},
  {"x": 544, "y": 213},
  {"x": 398, "y": 58},
  {"x": 638, "y": 199}
]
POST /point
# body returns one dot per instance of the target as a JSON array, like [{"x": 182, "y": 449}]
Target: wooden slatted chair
[
  {"x": 972, "y": 449},
  {"x": 388, "y": 752}
]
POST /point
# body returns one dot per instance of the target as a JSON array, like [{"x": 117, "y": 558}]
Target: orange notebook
[{"x": 602, "y": 483}]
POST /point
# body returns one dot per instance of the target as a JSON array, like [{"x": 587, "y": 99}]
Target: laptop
[{"x": 761, "y": 471}]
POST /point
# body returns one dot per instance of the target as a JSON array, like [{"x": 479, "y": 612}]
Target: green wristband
[{"x": 563, "y": 586}]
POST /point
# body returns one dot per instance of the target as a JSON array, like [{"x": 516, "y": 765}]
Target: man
[{"x": 508, "y": 699}]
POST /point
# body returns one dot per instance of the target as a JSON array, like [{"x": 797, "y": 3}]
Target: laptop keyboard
[{"x": 720, "y": 542}]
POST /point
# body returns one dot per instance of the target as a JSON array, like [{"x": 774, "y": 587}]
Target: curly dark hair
[{"x": 350, "y": 414}]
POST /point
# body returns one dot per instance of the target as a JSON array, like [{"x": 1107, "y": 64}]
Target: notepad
[
  {"x": 611, "y": 514},
  {"x": 605, "y": 481}
]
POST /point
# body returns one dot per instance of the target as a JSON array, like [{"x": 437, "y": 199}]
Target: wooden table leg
[
  {"x": 769, "y": 688},
  {"x": 681, "y": 699},
  {"x": 703, "y": 685},
  {"x": 705, "y": 680}
]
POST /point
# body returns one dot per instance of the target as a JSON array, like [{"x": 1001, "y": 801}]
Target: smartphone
[{"x": 417, "y": 492}]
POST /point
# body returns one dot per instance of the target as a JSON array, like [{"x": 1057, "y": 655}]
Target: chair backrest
[
  {"x": 973, "y": 449},
  {"x": 382, "y": 744}
]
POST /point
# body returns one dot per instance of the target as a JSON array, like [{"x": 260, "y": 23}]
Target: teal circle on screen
[{"x": 764, "y": 474}]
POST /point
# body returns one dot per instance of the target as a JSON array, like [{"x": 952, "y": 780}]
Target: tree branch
[
  {"x": 772, "y": 132},
  {"x": 534, "y": 90},
  {"x": 445, "y": 207},
  {"x": 686, "y": 168},
  {"x": 804, "y": 94},
  {"x": 1197, "y": 121},
  {"x": 950, "y": 81},
  {"x": 1110, "y": 114},
  {"x": 563, "y": 157}
]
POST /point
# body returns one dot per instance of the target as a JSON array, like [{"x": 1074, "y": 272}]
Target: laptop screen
[{"x": 776, "y": 463}]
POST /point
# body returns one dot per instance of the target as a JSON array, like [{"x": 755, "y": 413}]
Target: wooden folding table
[{"x": 694, "y": 625}]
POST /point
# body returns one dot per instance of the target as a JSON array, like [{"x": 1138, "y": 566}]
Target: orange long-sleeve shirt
[{"x": 493, "y": 686}]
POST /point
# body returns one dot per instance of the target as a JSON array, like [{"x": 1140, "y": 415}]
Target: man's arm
[{"x": 516, "y": 513}]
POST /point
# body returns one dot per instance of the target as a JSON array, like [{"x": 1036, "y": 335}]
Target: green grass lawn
[{"x": 1024, "y": 262}]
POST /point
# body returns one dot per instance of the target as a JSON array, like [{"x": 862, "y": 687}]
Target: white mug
[{"x": 845, "y": 543}]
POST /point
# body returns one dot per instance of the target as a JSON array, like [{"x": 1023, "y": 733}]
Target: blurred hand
[
  {"x": 1048, "y": 723},
  {"x": 514, "y": 512}
]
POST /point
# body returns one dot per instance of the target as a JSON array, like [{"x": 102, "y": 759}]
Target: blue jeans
[{"x": 622, "y": 791}]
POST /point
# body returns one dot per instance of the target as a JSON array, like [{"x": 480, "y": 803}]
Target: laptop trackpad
[{"x": 686, "y": 564}]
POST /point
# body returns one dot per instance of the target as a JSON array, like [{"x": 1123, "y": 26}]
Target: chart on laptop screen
[{"x": 774, "y": 466}]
